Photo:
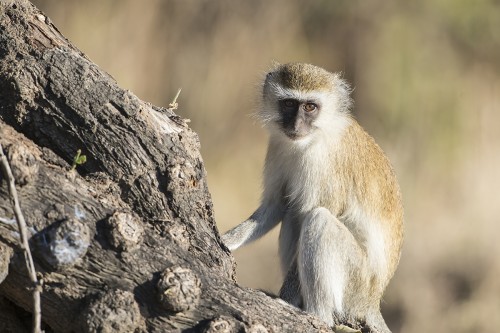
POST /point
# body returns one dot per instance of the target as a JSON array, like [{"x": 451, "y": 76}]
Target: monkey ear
[
  {"x": 344, "y": 89},
  {"x": 274, "y": 65}
]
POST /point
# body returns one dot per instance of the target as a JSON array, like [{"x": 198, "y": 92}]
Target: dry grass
[{"x": 427, "y": 83}]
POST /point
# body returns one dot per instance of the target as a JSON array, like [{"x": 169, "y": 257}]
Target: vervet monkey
[{"x": 335, "y": 193}]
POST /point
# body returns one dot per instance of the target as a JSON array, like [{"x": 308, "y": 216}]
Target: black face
[{"x": 297, "y": 117}]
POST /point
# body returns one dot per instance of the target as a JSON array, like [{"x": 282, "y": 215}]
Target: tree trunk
[{"x": 127, "y": 241}]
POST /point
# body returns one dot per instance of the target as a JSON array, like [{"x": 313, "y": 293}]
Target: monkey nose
[{"x": 299, "y": 125}]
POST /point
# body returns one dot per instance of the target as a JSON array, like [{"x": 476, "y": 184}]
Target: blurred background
[{"x": 426, "y": 78}]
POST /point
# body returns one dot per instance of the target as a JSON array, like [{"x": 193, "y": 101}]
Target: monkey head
[{"x": 301, "y": 100}]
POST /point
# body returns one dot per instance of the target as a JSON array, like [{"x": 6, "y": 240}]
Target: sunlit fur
[{"x": 337, "y": 198}]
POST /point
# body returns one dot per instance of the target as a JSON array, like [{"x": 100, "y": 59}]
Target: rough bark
[{"x": 126, "y": 242}]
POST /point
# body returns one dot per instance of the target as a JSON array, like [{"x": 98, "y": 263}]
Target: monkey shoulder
[{"x": 372, "y": 177}]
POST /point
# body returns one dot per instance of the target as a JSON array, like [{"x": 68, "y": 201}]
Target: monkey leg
[
  {"x": 290, "y": 290},
  {"x": 288, "y": 244},
  {"x": 331, "y": 266}
]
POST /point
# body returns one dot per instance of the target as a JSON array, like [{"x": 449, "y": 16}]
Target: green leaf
[
  {"x": 78, "y": 159},
  {"x": 81, "y": 159}
]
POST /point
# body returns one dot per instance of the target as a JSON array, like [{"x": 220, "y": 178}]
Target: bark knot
[
  {"x": 115, "y": 311},
  {"x": 179, "y": 288},
  {"x": 124, "y": 230}
]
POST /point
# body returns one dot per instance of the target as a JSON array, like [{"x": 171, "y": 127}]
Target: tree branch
[
  {"x": 23, "y": 231},
  {"x": 126, "y": 242}
]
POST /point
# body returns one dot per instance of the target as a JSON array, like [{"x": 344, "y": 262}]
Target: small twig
[
  {"x": 174, "y": 104},
  {"x": 23, "y": 230}
]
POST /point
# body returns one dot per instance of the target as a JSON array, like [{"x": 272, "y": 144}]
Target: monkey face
[
  {"x": 296, "y": 117},
  {"x": 300, "y": 101}
]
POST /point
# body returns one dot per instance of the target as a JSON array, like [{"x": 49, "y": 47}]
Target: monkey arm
[{"x": 266, "y": 217}]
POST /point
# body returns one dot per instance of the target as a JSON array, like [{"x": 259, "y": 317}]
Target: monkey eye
[
  {"x": 290, "y": 103},
  {"x": 310, "y": 107}
]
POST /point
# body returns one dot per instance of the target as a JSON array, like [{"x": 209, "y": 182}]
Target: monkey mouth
[{"x": 295, "y": 136}]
